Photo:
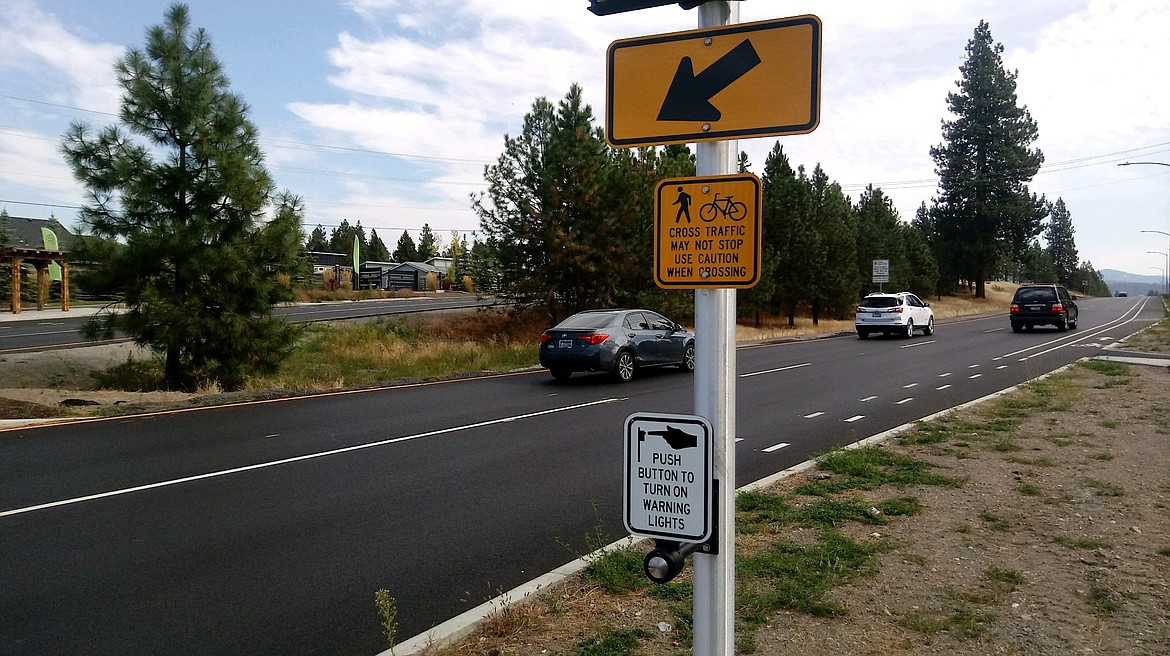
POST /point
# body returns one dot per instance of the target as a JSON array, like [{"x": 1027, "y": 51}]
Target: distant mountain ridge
[{"x": 1131, "y": 283}]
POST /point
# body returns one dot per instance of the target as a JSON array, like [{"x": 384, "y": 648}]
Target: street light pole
[
  {"x": 1164, "y": 281},
  {"x": 1167, "y": 269}
]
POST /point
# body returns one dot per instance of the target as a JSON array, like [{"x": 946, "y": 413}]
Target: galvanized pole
[{"x": 714, "y": 589}]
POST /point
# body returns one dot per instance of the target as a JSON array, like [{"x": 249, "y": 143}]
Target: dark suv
[{"x": 1037, "y": 305}]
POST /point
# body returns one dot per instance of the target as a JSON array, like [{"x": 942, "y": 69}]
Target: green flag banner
[
  {"x": 50, "y": 239},
  {"x": 357, "y": 247}
]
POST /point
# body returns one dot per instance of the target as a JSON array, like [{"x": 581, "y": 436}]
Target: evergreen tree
[
  {"x": 428, "y": 246},
  {"x": 984, "y": 209},
  {"x": 1062, "y": 249},
  {"x": 182, "y": 187},
  {"x": 789, "y": 240},
  {"x": 317, "y": 241},
  {"x": 5, "y": 228},
  {"x": 406, "y": 251},
  {"x": 546, "y": 214},
  {"x": 377, "y": 248},
  {"x": 880, "y": 237},
  {"x": 341, "y": 238},
  {"x": 835, "y": 281}
]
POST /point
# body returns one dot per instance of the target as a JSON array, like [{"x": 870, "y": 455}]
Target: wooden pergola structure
[{"x": 40, "y": 259}]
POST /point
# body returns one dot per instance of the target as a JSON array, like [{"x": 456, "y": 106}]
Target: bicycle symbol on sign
[{"x": 725, "y": 206}]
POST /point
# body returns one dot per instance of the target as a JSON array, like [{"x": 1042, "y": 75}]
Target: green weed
[
  {"x": 868, "y": 468},
  {"x": 614, "y": 643},
  {"x": 1080, "y": 543},
  {"x": 386, "y": 609}
]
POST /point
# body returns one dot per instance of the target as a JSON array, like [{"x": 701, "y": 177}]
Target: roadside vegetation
[{"x": 808, "y": 545}]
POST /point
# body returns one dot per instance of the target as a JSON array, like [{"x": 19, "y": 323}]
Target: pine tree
[
  {"x": 406, "y": 251},
  {"x": 836, "y": 279},
  {"x": 547, "y": 215},
  {"x": 182, "y": 187},
  {"x": 879, "y": 237},
  {"x": 377, "y": 248},
  {"x": 984, "y": 210},
  {"x": 428, "y": 246},
  {"x": 317, "y": 241},
  {"x": 1062, "y": 249}
]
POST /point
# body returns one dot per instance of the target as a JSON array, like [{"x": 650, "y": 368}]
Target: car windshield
[
  {"x": 881, "y": 302},
  {"x": 585, "y": 321},
  {"x": 1039, "y": 294}
]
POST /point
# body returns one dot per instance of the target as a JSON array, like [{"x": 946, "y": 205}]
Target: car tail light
[
  {"x": 595, "y": 338},
  {"x": 1014, "y": 308},
  {"x": 898, "y": 309},
  {"x": 544, "y": 337},
  {"x": 1058, "y": 308}
]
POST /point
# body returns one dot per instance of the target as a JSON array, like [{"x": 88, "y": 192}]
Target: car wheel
[
  {"x": 623, "y": 368},
  {"x": 561, "y": 374},
  {"x": 929, "y": 330},
  {"x": 1017, "y": 328},
  {"x": 862, "y": 334},
  {"x": 909, "y": 329},
  {"x": 1073, "y": 324},
  {"x": 688, "y": 359},
  {"x": 1062, "y": 324}
]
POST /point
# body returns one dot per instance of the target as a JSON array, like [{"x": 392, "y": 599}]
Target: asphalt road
[
  {"x": 266, "y": 528},
  {"x": 63, "y": 329}
]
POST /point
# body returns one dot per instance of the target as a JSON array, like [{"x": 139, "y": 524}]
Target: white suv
[{"x": 898, "y": 313}]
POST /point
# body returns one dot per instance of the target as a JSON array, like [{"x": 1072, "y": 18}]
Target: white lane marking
[
  {"x": 904, "y": 401},
  {"x": 814, "y": 415},
  {"x": 775, "y": 447},
  {"x": 854, "y": 418},
  {"x": 740, "y": 439},
  {"x": 917, "y": 344},
  {"x": 972, "y": 366},
  {"x": 942, "y": 387},
  {"x": 868, "y": 398},
  {"x": 308, "y": 456},
  {"x": 1002, "y": 366},
  {"x": 772, "y": 371},
  {"x": 993, "y": 330},
  {"x": 974, "y": 376},
  {"x": 944, "y": 375},
  {"x": 910, "y": 385}
]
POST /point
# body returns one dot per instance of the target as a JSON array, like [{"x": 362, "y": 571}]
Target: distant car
[
  {"x": 1122, "y": 294},
  {"x": 617, "y": 341},
  {"x": 899, "y": 313},
  {"x": 1038, "y": 305}
]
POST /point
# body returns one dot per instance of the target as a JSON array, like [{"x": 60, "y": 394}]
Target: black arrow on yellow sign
[{"x": 689, "y": 96}]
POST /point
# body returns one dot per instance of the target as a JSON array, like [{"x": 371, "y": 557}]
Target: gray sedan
[{"x": 616, "y": 341}]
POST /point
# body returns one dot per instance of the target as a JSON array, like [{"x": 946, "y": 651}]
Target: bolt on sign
[
  {"x": 707, "y": 232},
  {"x": 738, "y": 81}
]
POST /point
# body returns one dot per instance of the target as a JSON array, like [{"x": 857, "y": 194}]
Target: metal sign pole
[{"x": 714, "y": 587}]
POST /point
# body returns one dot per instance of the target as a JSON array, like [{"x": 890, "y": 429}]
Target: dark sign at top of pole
[{"x": 607, "y": 7}]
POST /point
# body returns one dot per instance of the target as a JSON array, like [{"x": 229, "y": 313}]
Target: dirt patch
[{"x": 58, "y": 383}]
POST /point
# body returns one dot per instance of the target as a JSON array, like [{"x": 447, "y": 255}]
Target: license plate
[
  {"x": 876, "y": 314},
  {"x": 1036, "y": 308},
  {"x": 565, "y": 344}
]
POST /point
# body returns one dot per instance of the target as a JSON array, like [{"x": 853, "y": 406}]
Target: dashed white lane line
[
  {"x": 813, "y": 415},
  {"x": 975, "y": 376},
  {"x": 772, "y": 371},
  {"x": 1002, "y": 366},
  {"x": 944, "y": 375},
  {"x": 910, "y": 385},
  {"x": 775, "y": 447},
  {"x": 854, "y": 418},
  {"x": 868, "y": 398},
  {"x": 942, "y": 387},
  {"x": 904, "y": 401},
  {"x": 972, "y": 366}
]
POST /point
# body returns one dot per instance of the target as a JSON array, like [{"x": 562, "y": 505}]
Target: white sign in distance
[
  {"x": 669, "y": 477},
  {"x": 881, "y": 270}
]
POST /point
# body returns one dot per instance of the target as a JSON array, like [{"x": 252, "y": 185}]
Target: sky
[{"x": 387, "y": 111}]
